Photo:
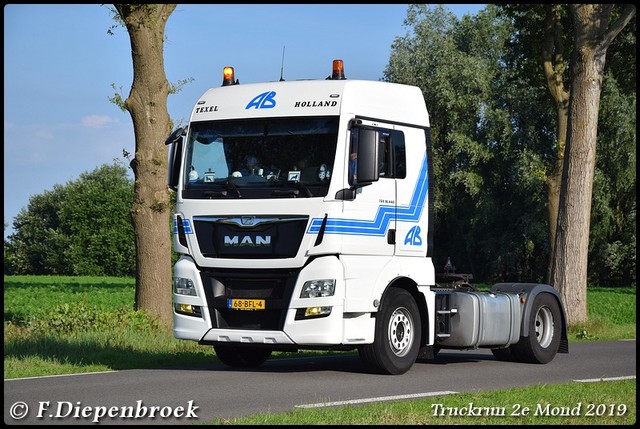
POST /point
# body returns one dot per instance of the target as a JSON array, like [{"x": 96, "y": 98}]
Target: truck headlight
[
  {"x": 182, "y": 286},
  {"x": 318, "y": 288}
]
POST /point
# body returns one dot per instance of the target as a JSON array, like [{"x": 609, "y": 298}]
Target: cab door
[
  {"x": 396, "y": 185},
  {"x": 410, "y": 170},
  {"x": 369, "y": 222}
]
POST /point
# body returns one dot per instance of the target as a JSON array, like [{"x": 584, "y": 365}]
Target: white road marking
[
  {"x": 378, "y": 399},
  {"x": 595, "y": 380}
]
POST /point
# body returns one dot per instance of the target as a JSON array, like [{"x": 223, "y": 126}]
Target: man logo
[
  {"x": 247, "y": 220},
  {"x": 257, "y": 241}
]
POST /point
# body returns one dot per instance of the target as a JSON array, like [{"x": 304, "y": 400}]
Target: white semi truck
[{"x": 304, "y": 220}]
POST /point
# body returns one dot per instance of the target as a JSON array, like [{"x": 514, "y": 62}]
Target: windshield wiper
[
  {"x": 223, "y": 193},
  {"x": 298, "y": 185},
  {"x": 212, "y": 194}
]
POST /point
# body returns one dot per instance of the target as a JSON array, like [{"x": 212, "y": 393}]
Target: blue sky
[{"x": 60, "y": 65}]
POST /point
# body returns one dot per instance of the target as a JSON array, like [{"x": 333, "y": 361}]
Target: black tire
[
  {"x": 397, "y": 338},
  {"x": 242, "y": 356},
  {"x": 545, "y": 324}
]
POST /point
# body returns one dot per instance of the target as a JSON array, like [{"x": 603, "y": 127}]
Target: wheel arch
[
  {"x": 529, "y": 291},
  {"x": 410, "y": 286}
]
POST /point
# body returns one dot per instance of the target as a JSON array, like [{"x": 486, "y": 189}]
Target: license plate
[{"x": 246, "y": 304}]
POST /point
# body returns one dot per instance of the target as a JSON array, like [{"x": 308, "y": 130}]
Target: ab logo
[
  {"x": 413, "y": 237},
  {"x": 266, "y": 100}
]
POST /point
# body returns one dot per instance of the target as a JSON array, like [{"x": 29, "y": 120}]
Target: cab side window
[
  {"x": 391, "y": 155},
  {"x": 399, "y": 155}
]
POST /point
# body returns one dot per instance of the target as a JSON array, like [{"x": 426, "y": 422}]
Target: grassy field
[
  {"x": 63, "y": 325},
  {"x": 602, "y": 403}
]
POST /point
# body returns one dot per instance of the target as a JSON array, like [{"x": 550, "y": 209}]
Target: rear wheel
[
  {"x": 242, "y": 356},
  {"x": 397, "y": 337},
  {"x": 545, "y": 327}
]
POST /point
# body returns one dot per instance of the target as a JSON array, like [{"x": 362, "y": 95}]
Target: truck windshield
[{"x": 260, "y": 158}]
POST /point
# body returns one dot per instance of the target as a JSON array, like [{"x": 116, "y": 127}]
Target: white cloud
[{"x": 96, "y": 121}]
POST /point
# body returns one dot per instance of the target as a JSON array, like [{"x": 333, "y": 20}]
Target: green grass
[
  {"x": 62, "y": 325},
  {"x": 113, "y": 349},
  {"x": 32, "y": 297},
  {"x": 601, "y": 403},
  {"x": 611, "y": 313}
]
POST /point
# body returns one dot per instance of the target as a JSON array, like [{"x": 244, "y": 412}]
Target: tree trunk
[
  {"x": 593, "y": 37},
  {"x": 147, "y": 104},
  {"x": 572, "y": 238},
  {"x": 553, "y": 63}
]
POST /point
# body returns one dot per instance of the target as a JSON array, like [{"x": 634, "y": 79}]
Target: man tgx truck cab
[{"x": 324, "y": 240}]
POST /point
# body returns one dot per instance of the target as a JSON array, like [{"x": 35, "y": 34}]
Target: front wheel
[
  {"x": 545, "y": 324},
  {"x": 242, "y": 356},
  {"x": 397, "y": 335}
]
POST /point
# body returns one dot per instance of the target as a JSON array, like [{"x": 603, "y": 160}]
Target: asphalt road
[{"x": 199, "y": 394}]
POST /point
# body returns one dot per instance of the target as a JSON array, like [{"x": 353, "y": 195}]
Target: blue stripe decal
[
  {"x": 385, "y": 214},
  {"x": 186, "y": 225}
]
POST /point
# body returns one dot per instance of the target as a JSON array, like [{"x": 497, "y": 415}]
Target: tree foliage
[
  {"x": 494, "y": 132},
  {"x": 81, "y": 228},
  {"x": 487, "y": 179},
  {"x": 612, "y": 244}
]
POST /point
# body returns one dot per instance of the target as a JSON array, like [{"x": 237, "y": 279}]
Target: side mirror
[
  {"x": 176, "y": 135},
  {"x": 367, "y": 166},
  {"x": 175, "y": 142},
  {"x": 363, "y": 162}
]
